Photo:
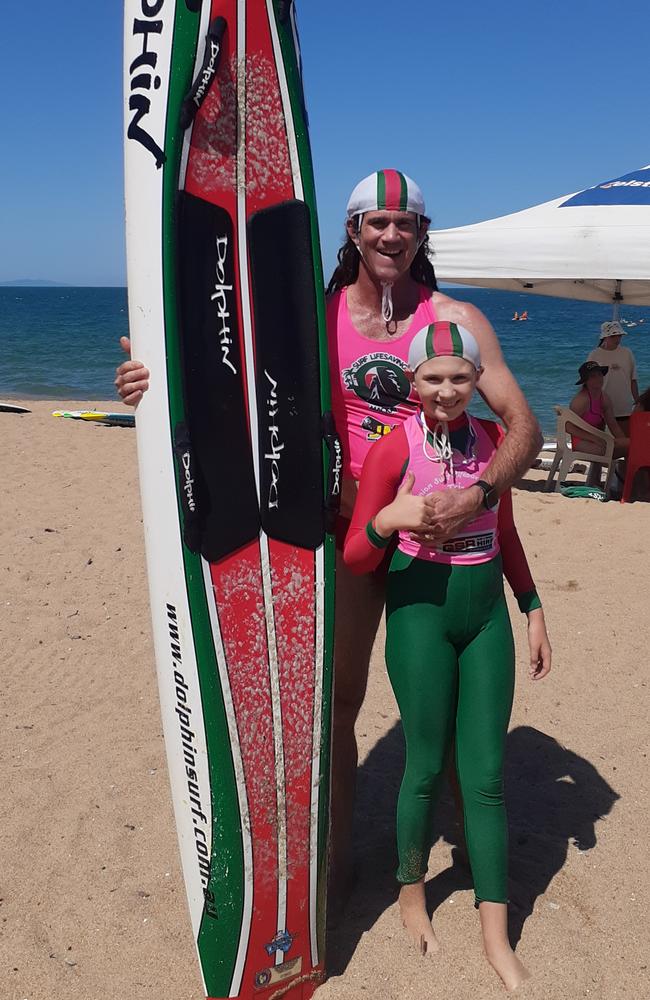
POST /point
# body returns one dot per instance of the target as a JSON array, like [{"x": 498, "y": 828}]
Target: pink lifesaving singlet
[
  {"x": 370, "y": 392},
  {"x": 479, "y": 541}
]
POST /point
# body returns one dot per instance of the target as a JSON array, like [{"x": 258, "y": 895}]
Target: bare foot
[
  {"x": 413, "y": 911},
  {"x": 508, "y": 967}
]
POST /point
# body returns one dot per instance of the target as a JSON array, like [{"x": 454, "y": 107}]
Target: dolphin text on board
[
  {"x": 220, "y": 296},
  {"x": 274, "y": 446},
  {"x": 146, "y": 32}
]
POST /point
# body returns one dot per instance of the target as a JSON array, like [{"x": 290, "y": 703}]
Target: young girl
[{"x": 449, "y": 646}]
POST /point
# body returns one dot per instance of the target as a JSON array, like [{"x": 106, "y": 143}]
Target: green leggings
[{"x": 450, "y": 658}]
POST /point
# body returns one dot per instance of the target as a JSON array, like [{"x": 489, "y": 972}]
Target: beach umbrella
[{"x": 593, "y": 245}]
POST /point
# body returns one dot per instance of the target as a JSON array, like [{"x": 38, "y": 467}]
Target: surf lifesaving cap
[
  {"x": 386, "y": 190},
  {"x": 440, "y": 340}
]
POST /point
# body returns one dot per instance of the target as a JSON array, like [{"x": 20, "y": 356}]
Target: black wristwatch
[{"x": 490, "y": 494}]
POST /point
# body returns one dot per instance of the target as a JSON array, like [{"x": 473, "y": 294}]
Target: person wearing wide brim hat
[
  {"x": 621, "y": 383},
  {"x": 590, "y": 368},
  {"x": 594, "y": 406},
  {"x": 381, "y": 293}
]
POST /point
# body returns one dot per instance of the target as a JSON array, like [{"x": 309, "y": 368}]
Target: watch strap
[{"x": 490, "y": 497}]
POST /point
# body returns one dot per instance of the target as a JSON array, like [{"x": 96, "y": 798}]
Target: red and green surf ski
[{"x": 239, "y": 473}]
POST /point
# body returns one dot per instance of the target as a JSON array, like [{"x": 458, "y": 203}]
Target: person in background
[
  {"x": 594, "y": 406},
  {"x": 620, "y": 382}
]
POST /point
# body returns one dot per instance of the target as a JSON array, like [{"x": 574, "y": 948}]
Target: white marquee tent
[{"x": 592, "y": 245}]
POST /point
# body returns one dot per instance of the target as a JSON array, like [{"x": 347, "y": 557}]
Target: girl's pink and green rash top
[
  {"x": 479, "y": 541},
  {"x": 371, "y": 394}
]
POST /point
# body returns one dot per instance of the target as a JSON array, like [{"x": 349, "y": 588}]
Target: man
[
  {"x": 384, "y": 291},
  {"x": 620, "y": 381}
]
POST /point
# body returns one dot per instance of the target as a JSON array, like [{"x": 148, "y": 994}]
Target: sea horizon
[{"x": 62, "y": 342}]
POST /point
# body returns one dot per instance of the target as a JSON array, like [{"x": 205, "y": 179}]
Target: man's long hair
[{"x": 347, "y": 271}]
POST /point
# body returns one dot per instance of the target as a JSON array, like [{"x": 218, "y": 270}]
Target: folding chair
[{"x": 565, "y": 456}]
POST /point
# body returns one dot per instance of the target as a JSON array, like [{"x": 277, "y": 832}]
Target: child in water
[{"x": 449, "y": 645}]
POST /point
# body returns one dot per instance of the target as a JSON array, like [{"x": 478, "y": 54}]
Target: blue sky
[{"x": 491, "y": 107}]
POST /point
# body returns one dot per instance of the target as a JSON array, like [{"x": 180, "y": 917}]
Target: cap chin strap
[
  {"x": 387, "y": 300},
  {"x": 442, "y": 450},
  {"x": 386, "y": 286}
]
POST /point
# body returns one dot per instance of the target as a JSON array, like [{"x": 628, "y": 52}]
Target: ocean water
[{"x": 62, "y": 343}]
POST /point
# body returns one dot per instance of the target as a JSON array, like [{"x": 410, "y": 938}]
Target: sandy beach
[{"x": 92, "y": 901}]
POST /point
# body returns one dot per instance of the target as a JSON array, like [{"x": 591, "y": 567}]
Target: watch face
[
  {"x": 490, "y": 495},
  {"x": 491, "y": 499}
]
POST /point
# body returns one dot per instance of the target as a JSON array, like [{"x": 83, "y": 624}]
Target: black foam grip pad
[
  {"x": 287, "y": 374},
  {"x": 214, "y": 379}
]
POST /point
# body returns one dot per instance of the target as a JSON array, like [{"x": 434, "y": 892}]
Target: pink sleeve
[{"x": 380, "y": 478}]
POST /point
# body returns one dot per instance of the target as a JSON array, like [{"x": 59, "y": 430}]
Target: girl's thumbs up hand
[
  {"x": 406, "y": 513},
  {"x": 406, "y": 486}
]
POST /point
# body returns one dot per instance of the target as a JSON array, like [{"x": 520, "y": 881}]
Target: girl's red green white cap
[
  {"x": 439, "y": 340},
  {"x": 386, "y": 190}
]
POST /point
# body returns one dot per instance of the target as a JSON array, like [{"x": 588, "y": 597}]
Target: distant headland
[{"x": 33, "y": 283}]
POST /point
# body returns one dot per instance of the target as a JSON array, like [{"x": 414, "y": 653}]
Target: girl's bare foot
[
  {"x": 413, "y": 911},
  {"x": 508, "y": 967},
  {"x": 494, "y": 925}
]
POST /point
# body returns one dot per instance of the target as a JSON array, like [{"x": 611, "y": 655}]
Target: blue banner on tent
[{"x": 630, "y": 189}]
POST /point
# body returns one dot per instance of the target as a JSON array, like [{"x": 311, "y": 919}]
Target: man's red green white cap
[
  {"x": 443, "y": 340},
  {"x": 388, "y": 191}
]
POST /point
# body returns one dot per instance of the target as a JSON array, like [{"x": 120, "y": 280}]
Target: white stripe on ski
[
  {"x": 198, "y": 62},
  {"x": 296, "y": 39},
  {"x": 286, "y": 104},
  {"x": 254, "y": 425},
  {"x": 166, "y": 572},
  {"x": 319, "y": 554},
  {"x": 317, "y": 749}
]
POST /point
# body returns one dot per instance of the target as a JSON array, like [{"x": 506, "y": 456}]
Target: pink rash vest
[
  {"x": 370, "y": 392},
  {"x": 490, "y": 532},
  {"x": 478, "y": 541}
]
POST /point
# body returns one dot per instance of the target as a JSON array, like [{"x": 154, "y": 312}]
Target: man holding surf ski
[{"x": 381, "y": 294}]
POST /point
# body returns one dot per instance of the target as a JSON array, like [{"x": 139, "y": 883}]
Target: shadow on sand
[
  {"x": 532, "y": 486},
  {"x": 554, "y": 797}
]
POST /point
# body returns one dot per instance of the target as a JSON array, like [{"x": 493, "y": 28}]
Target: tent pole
[{"x": 618, "y": 298}]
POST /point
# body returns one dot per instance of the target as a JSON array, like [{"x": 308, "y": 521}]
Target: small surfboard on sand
[
  {"x": 98, "y": 417},
  {"x": 12, "y": 408},
  {"x": 239, "y": 473}
]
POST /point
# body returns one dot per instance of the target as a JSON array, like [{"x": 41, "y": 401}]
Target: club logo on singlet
[
  {"x": 379, "y": 380},
  {"x": 376, "y": 429}
]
